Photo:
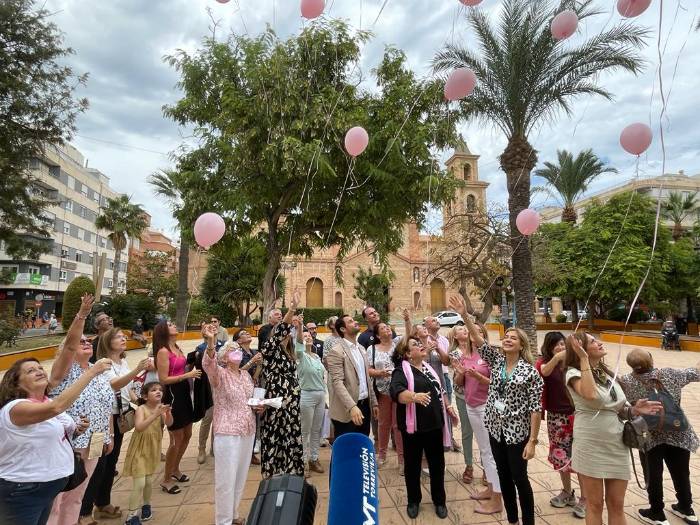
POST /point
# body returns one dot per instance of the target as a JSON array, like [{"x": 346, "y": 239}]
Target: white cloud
[{"x": 121, "y": 45}]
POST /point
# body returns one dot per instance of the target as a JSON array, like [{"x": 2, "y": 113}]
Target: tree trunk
[
  {"x": 690, "y": 314},
  {"x": 115, "y": 271},
  {"x": 517, "y": 161},
  {"x": 568, "y": 214},
  {"x": 677, "y": 232},
  {"x": 274, "y": 258},
  {"x": 574, "y": 310},
  {"x": 488, "y": 308},
  {"x": 182, "y": 297}
]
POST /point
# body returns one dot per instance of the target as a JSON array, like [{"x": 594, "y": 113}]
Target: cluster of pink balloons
[
  {"x": 311, "y": 9},
  {"x": 356, "y": 141},
  {"x": 527, "y": 221},
  {"x": 564, "y": 24},
  {"x": 460, "y": 83},
  {"x": 209, "y": 228},
  {"x": 632, "y": 8},
  {"x": 636, "y": 138}
]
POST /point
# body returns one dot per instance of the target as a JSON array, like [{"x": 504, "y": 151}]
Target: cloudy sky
[{"x": 121, "y": 45}]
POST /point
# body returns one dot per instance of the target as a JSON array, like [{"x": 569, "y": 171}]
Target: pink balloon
[
  {"x": 632, "y": 8},
  {"x": 460, "y": 83},
  {"x": 209, "y": 228},
  {"x": 527, "y": 221},
  {"x": 470, "y": 3},
  {"x": 356, "y": 140},
  {"x": 564, "y": 24},
  {"x": 312, "y": 8},
  {"x": 636, "y": 138}
]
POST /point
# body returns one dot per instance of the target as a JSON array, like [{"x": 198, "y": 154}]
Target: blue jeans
[{"x": 28, "y": 503}]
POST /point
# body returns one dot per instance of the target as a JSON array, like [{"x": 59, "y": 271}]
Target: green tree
[
  {"x": 570, "y": 178},
  {"x": 149, "y": 274},
  {"x": 235, "y": 275},
  {"x": 185, "y": 190},
  {"x": 684, "y": 274},
  {"x": 38, "y": 108},
  {"x": 622, "y": 228},
  {"x": 526, "y": 78},
  {"x": 373, "y": 289},
  {"x": 73, "y": 297},
  {"x": 126, "y": 308},
  {"x": 122, "y": 219},
  {"x": 271, "y": 116},
  {"x": 677, "y": 208}
]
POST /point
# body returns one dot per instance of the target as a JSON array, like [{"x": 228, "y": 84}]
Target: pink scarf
[{"x": 411, "y": 407}]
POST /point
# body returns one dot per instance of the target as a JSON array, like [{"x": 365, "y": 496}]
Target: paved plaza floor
[{"x": 195, "y": 504}]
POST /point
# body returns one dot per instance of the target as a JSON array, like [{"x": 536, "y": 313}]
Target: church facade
[{"x": 412, "y": 286}]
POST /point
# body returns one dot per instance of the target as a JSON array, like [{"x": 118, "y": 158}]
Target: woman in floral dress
[{"x": 281, "y": 441}]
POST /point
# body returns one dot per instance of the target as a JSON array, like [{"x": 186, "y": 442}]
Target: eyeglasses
[
  {"x": 84, "y": 341},
  {"x": 613, "y": 393}
]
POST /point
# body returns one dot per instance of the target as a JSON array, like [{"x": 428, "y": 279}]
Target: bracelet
[
  {"x": 535, "y": 441},
  {"x": 81, "y": 317},
  {"x": 585, "y": 369}
]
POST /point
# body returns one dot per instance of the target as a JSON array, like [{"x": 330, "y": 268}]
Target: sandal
[
  {"x": 106, "y": 514},
  {"x": 182, "y": 479},
  {"x": 172, "y": 490},
  {"x": 468, "y": 474}
]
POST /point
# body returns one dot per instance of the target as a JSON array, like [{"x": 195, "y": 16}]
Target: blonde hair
[
  {"x": 104, "y": 345},
  {"x": 525, "y": 352}
]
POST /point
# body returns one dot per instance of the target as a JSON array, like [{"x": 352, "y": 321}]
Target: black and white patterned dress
[{"x": 280, "y": 437}]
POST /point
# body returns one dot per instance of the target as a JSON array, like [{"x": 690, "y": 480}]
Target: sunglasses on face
[{"x": 613, "y": 393}]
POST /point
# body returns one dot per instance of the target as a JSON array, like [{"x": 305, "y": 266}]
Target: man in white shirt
[{"x": 352, "y": 399}]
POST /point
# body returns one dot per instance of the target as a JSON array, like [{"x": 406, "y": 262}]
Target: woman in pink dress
[{"x": 234, "y": 426}]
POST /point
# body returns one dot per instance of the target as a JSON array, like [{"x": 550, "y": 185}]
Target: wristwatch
[{"x": 535, "y": 441}]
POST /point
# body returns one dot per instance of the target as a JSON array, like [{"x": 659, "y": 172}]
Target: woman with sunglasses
[
  {"x": 599, "y": 456},
  {"x": 93, "y": 404}
]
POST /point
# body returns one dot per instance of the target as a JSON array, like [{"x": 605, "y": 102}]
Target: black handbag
[
  {"x": 635, "y": 434},
  {"x": 79, "y": 473},
  {"x": 671, "y": 417}
]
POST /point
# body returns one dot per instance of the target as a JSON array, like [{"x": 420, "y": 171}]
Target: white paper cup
[{"x": 258, "y": 393}]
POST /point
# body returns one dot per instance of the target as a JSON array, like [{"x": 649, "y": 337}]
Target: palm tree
[
  {"x": 122, "y": 219},
  {"x": 571, "y": 177},
  {"x": 527, "y": 78},
  {"x": 677, "y": 208},
  {"x": 173, "y": 186}
]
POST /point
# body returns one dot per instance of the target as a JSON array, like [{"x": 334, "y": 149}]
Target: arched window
[
  {"x": 416, "y": 274},
  {"x": 471, "y": 204},
  {"x": 314, "y": 293},
  {"x": 338, "y": 300},
  {"x": 416, "y": 299},
  {"x": 467, "y": 171},
  {"x": 437, "y": 295}
]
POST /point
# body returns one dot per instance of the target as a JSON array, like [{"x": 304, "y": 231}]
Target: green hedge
[
  {"x": 73, "y": 297},
  {"x": 125, "y": 309},
  {"x": 200, "y": 310},
  {"x": 317, "y": 315}
]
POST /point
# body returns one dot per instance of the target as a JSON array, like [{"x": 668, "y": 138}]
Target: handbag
[
  {"x": 79, "y": 473},
  {"x": 671, "y": 417},
  {"x": 635, "y": 434},
  {"x": 126, "y": 420}
]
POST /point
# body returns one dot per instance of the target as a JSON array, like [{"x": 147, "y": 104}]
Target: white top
[
  {"x": 359, "y": 359},
  {"x": 120, "y": 369},
  {"x": 444, "y": 345},
  {"x": 37, "y": 452}
]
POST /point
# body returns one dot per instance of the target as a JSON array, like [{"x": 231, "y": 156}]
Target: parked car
[{"x": 449, "y": 318}]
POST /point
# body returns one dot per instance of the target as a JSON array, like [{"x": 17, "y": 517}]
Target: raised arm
[
  {"x": 407, "y": 323},
  {"x": 120, "y": 382},
  {"x": 547, "y": 368},
  {"x": 458, "y": 305},
  {"x": 584, "y": 385},
  {"x": 296, "y": 297},
  {"x": 24, "y": 414},
  {"x": 66, "y": 351}
]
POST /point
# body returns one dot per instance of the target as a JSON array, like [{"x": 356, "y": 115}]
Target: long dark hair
[
  {"x": 161, "y": 336},
  {"x": 551, "y": 339},
  {"x": 9, "y": 386},
  {"x": 572, "y": 360}
]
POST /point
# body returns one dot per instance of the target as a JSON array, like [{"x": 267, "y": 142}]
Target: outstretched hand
[
  {"x": 458, "y": 305},
  {"x": 86, "y": 302}
]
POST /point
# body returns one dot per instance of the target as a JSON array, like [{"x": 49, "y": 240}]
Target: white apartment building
[{"x": 77, "y": 193}]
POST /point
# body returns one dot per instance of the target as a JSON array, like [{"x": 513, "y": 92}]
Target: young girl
[{"x": 143, "y": 456}]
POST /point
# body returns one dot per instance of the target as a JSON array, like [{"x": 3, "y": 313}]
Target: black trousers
[
  {"x": 341, "y": 428},
  {"x": 512, "y": 474},
  {"x": 678, "y": 463},
  {"x": 414, "y": 445},
  {"x": 99, "y": 489}
]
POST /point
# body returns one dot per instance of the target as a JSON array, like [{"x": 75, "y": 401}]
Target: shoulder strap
[{"x": 634, "y": 469}]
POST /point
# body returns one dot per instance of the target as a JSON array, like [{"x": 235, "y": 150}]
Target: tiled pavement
[{"x": 195, "y": 504}]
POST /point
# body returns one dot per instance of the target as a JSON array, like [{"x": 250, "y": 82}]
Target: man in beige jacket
[{"x": 352, "y": 399}]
